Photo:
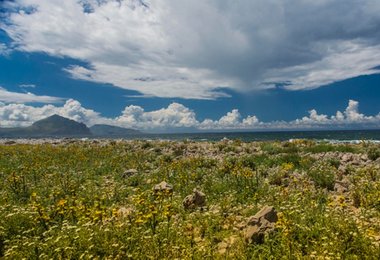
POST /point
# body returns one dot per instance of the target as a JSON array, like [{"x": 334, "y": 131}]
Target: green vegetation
[
  {"x": 82, "y": 200},
  {"x": 374, "y": 153}
]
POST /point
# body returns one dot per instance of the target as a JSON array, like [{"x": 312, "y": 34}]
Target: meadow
[{"x": 95, "y": 199}]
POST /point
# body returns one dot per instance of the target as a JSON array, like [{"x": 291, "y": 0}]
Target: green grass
[{"x": 73, "y": 201}]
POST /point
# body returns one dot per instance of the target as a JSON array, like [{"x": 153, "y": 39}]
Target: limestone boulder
[
  {"x": 163, "y": 187},
  {"x": 195, "y": 200},
  {"x": 262, "y": 223},
  {"x": 129, "y": 173}
]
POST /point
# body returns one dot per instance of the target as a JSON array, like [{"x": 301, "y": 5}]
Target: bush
[
  {"x": 373, "y": 153},
  {"x": 323, "y": 175}
]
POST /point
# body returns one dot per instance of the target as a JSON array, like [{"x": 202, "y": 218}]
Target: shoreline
[{"x": 11, "y": 141}]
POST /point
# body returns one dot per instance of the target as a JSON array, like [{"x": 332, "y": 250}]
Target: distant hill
[
  {"x": 58, "y": 126},
  {"x": 52, "y": 126},
  {"x": 112, "y": 131}
]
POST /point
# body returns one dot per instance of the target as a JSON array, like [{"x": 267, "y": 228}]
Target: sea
[{"x": 333, "y": 136}]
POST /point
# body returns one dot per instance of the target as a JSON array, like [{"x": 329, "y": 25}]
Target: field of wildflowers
[{"x": 95, "y": 199}]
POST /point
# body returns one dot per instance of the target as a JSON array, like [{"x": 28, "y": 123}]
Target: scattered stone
[
  {"x": 255, "y": 234},
  {"x": 267, "y": 212},
  {"x": 163, "y": 187},
  {"x": 355, "y": 161},
  {"x": 342, "y": 169},
  {"x": 129, "y": 173},
  {"x": 340, "y": 187},
  {"x": 364, "y": 157},
  {"x": 347, "y": 157},
  {"x": 195, "y": 200},
  {"x": 260, "y": 224}
]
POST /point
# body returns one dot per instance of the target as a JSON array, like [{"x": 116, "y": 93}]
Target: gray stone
[
  {"x": 267, "y": 212},
  {"x": 260, "y": 224},
  {"x": 163, "y": 187},
  {"x": 342, "y": 169},
  {"x": 364, "y": 157},
  {"x": 340, "y": 188},
  {"x": 342, "y": 185},
  {"x": 347, "y": 157},
  {"x": 192, "y": 201},
  {"x": 129, "y": 173},
  {"x": 256, "y": 234}
]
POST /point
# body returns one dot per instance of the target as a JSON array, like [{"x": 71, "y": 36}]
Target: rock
[
  {"x": 254, "y": 234},
  {"x": 163, "y": 187},
  {"x": 267, "y": 212},
  {"x": 129, "y": 173},
  {"x": 340, "y": 187},
  {"x": 9, "y": 142},
  {"x": 342, "y": 169},
  {"x": 260, "y": 224},
  {"x": 197, "y": 199},
  {"x": 347, "y": 157},
  {"x": 356, "y": 162},
  {"x": 364, "y": 157}
]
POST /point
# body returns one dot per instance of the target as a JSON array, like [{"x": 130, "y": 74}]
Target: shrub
[
  {"x": 373, "y": 153},
  {"x": 323, "y": 175}
]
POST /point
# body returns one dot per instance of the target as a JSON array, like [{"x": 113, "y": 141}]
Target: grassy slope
[{"x": 72, "y": 200}]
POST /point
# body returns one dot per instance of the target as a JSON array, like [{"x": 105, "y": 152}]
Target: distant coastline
[
  {"x": 332, "y": 136},
  {"x": 320, "y": 135}
]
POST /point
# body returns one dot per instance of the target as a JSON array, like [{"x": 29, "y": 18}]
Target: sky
[{"x": 185, "y": 65}]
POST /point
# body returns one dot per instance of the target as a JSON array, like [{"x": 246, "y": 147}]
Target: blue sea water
[{"x": 349, "y": 136}]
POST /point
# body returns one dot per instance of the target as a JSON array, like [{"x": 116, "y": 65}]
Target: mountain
[
  {"x": 58, "y": 126},
  {"x": 52, "y": 126},
  {"x": 112, "y": 131}
]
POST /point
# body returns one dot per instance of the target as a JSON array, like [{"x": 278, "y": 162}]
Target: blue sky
[{"x": 191, "y": 65}]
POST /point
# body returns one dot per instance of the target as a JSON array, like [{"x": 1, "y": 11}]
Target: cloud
[
  {"x": 154, "y": 80},
  {"x": 4, "y": 50},
  {"x": 174, "y": 116},
  {"x": 193, "y": 50},
  {"x": 232, "y": 120},
  {"x": 15, "y": 97},
  {"x": 178, "y": 117},
  {"x": 352, "y": 59},
  {"x": 350, "y": 116},
  {"x": 27, "y": 86}
]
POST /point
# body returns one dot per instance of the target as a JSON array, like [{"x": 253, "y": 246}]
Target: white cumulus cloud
[
  {"x": 350, "y": 116},
  {"x": 232, "y": 120},
  {"x": 177, "y": 116},
  {"x": 174, "y": 116}
]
